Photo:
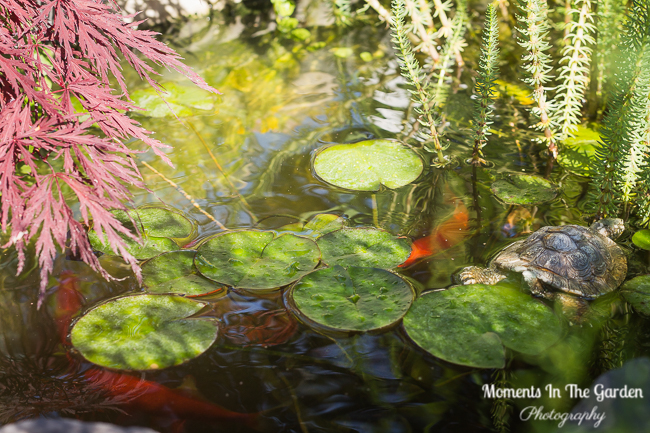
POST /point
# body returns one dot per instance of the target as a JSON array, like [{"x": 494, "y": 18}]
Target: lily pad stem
[{"x": 375, "y": 214}]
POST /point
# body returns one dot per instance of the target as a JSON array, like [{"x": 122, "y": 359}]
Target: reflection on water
[{"x": 279, "y": 103}]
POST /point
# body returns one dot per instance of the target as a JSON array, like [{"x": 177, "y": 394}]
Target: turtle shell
[{"x": 570, "y": 258}]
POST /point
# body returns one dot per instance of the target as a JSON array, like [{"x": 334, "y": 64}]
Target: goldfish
[
  {"x": 447, "y": 234},
  {"x": 143, "y": 395}
]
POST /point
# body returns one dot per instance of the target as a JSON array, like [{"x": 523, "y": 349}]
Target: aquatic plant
[
  {"x": 487, "y": 74},
  {"x": 574, "y": 72},
  {"x": 62, "y": 126},
  {"x": 620, "y": 160},
  {"x": 534, "y": 26},
  {"x": 412, "y": 72}
]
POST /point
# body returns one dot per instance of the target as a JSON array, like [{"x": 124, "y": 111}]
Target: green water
[{"x": 280, "y": 101}]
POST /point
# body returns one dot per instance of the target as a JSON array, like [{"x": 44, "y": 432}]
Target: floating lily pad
[
  {"x": 637, "y": 292},
  {"x": 256, "y": 259},
  {"x": 642, "y": 239},
  {"x": 150, "y": 247},
  {"x": 353, "y": 298},
  {"x": 472, "y": 325},
  {"x": 143, "y": 332},
  {"x": 578, "y": 154},
  {"x": 162, "y": 230},
  {"x": 524, "y": 189},
  {"x": 323, "y": 224},
  {"x": 366, "y": 165},
  {"x": 174, "y": 272},
  {"x": 368, "y": 247},
  {"x": 318, "y": 226}
]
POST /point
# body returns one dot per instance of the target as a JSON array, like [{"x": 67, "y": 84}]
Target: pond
[{"x": 246, "y": 160}]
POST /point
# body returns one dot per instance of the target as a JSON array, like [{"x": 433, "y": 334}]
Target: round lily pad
[
  {"x": 174, "y": 272},
  {"x": 143, "y": 332},
  {"x": 642, "y": 239},
  {"x": 366, "y": 165},
  {"x": 364, "y": 247},
  {"x": 323, "y": 224},
  {"x": 524, "y": 189},
  {"x": 353, "y": 298},
  {"x": 637, "y": 292},
  {"x": 256, "y": 260},
  {"x": 471, "y": 325}
]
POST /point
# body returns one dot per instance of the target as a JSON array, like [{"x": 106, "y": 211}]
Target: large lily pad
[
  {"x": 174, "y": 272},
  {"x": 164, "y": 222},
  {"x": 368, "y": 247},
  {"x": 637, "y": 292},
  {"x": 353, "y": 298},
  {"x": 524, "y": 189},
  {"x": 150, "y": 247},
  {"x": 472, "y": 325},
  {"x": 367, "y": 165},
  {"x": 143, "y": 332},
  {"x": 578, "y": 154},
  {"x": 316, "y": 227},
  {"x": 256, "y": 259}
]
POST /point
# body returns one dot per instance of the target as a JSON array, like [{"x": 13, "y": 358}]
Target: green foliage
[
  {"x": 451, "y": 52},
  {"x": 487, "y": 74},
  {"x": 534, "y": 26},
  {"x": 412, "y": 72},
  {"x": 574, "y": 72},
  {"x": 626, "y": 127}
]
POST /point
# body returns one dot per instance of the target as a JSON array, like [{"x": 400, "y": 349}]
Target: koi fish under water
[
  {"x": 143, "y": 395},
  {"x": 446, "y": 235}
]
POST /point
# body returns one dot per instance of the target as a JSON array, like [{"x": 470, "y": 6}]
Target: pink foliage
[{"x": 51, "y": 53}]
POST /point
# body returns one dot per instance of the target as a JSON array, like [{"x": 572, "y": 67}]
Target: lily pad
[
  {"x": 150, "y": 247},
  {"x": 318, "y": 226},
  {"x": 353, "y": 298},
  {"x": 578, "y": 153},
  {"x": 174, "y": 272},
  {"x": 368, "y": 247},
  {"x": 143, "y": 332},
  {"x": 256, "y": 259},
  {"x": 524, "y": 189},
  {"x": 472, "y": 325},
  {"x": 162, "y": 230},
  {"x": 366, "y": 165},
  {"x": 637, "y": 292},
  {"x": 642, "y": 239}
]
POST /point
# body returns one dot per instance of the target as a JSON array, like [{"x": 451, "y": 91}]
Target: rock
[{"x": 62, "y": 425}]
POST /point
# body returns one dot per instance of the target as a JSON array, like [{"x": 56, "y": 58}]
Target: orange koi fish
[
  {"x": 448, "y": 234},
  {"x": 143, "y": 395}
]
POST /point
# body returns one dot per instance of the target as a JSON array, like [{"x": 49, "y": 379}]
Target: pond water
[{"x": 245, "y": 158}]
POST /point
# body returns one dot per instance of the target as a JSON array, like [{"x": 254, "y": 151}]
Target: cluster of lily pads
[{"x": 337, "y": 278}]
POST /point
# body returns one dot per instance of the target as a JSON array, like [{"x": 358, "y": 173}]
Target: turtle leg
[
  {"x": 536, "y": 287},
  {"x": 476, "y": 275}
]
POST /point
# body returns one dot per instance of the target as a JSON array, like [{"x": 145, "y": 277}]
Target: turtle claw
[{"x": 476, "y": 275}]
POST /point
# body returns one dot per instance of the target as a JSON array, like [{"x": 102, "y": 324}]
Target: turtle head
[{"x": 609, "y": 227}]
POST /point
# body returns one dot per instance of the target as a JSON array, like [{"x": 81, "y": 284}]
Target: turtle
[{"x": 582, "y": 261}]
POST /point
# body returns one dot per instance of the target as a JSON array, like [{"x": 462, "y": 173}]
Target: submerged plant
[
  {"x": 62, "y": 125},
  {"x": 487, "y": 74}
]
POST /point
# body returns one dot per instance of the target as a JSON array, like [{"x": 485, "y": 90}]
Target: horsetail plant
[
  {"x": 574, "y": 72},
  {"x": 412, "y": 72},
  {"x": 537, "y": 63},
  {"x": 487, "y": 74},
  {"x": 610, "y": 15}
]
